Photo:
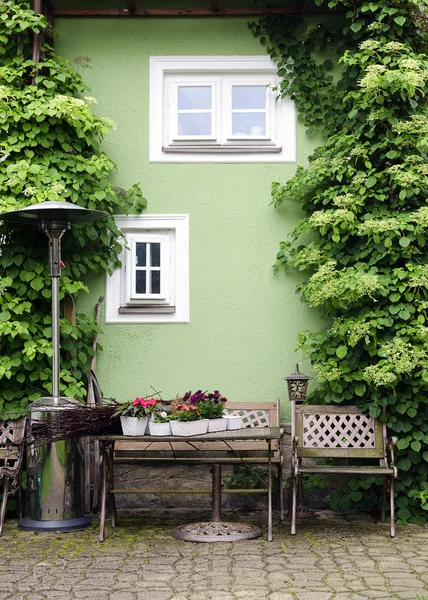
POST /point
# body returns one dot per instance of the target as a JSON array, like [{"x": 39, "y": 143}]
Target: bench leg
[
  {"x": 293, "y": 503},
  {"x": 270, "y": 535},
  {"x": 112, "y": 497},
  {"x": 4, "y": 502},
  {"x": 384, "y": 494},
  {"x": 281, "y": 493},
  {"x": 392, "y": 505}
]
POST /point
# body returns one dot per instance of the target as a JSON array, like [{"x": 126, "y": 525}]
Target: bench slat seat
[{"x": 346, "y": 470}]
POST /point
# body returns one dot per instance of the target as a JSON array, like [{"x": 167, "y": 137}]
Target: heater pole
[{"x": 55, "y": 273}]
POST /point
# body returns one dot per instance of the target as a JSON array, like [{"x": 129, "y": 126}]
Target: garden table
[{"x": 215, "y": 530}]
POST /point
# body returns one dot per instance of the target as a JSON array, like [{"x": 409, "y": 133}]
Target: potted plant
[
  {"x": 134, "y": 415},
  {"x": 159, "y": 423},
  {"x": 210, "y": 406},
  {"x": 186, "y": 421}
]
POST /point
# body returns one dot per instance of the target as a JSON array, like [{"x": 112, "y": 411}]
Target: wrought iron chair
[{"x": 12, "y": 441}]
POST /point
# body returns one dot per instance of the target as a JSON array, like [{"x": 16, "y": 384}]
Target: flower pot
[
  {"x": 219, "y": 424},
  {"x": 134, "y": 425},
  {"x": 189, "y": 428},
  {"x": 234, "y": 422},
  {"x": 159, "y": 428}
]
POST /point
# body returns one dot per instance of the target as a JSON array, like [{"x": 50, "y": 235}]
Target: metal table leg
[{"x": 217, "y": 530}]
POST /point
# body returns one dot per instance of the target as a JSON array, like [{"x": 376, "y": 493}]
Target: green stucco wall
[{"x": 243, "y": 319}]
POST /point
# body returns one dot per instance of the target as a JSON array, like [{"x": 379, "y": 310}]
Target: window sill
[
  {"x": 148, "y": 309},
  {"x": 222, "y": 149}
]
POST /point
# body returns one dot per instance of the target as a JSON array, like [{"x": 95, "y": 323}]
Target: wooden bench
[
  {"x": 333, "y": 432},
  {"x": 245, "y": 452}
]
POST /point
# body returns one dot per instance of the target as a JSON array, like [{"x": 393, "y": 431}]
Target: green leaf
[
  {"x": 404, "y": 242},
  {"x": 341, "y": 351},
  {"x": 400, "y": 20},
  {"x": 360, "y": 389},
  {"x": 403, "y": 444},
  {"x": 403, "y": 514},
  {"x": 416, "y": 446}
]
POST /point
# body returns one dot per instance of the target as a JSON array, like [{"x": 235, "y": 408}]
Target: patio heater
[
  {"x": 54, "y": 469},
  {"x": 297, "y": 384}
]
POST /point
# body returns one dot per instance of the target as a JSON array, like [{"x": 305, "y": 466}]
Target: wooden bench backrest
[
  {"x": 254, "y": 414},
  {"x": 338, "y": 431},
  {"x": 11, "y": 440}
]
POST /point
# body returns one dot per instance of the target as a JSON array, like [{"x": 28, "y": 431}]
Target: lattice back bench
[{"x": 329, "y": 432}]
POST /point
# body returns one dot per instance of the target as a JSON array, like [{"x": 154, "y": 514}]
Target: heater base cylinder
[{"x": 66, "y": 525}]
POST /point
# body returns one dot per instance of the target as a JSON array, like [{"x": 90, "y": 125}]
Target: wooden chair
[
  {"x": 12, "y": 441},
  {"x": 331, "y": 432}
]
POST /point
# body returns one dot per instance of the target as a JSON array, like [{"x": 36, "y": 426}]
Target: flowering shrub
[
  {"x": 140, "y": 407},
  {"x": 209, "y": 404},
  {"x": 186, "y": 412},
  {"x": 363, "y": 238}
]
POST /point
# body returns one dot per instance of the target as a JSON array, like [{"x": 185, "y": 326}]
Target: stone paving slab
[{"x": 331, "y": 558}]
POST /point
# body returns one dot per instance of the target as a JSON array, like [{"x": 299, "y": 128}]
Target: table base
[{"x": 216, "y": 531}]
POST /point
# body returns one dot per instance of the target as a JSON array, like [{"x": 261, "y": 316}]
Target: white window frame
[
  {"x": 172, "y": 304},
  {"x": 167, "y": 265},
  {"x": 167, "y": 72}
]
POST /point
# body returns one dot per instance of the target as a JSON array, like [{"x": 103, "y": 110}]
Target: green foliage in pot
[
  {"x": 186, "y": 412},
  {"x": 49, "y": 150},
  {"x": 362, "y": 242}
]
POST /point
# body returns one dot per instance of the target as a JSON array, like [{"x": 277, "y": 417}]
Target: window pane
[
  {"x": 140, "y": 249},
  {"x": 194, "y": 97},
  {"x": 155, "y": 282},
  {"x": 194, "y": 124},
  {"x": 248, "y": 124},
  {"x": 248, "y": 96},
  {"x": 140, "y": 282},
  {"x": 155, "y": 255}
]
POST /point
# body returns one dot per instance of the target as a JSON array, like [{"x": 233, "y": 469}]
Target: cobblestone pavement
[{"x": 330, "y": 558}]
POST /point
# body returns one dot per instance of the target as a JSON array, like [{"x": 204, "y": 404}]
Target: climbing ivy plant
[
  {"x": 362, "y": 242},
  {"x": 49, "y": 150}
]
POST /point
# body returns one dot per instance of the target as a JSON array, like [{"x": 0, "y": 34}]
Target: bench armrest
[{"x": 390, "y": 444}]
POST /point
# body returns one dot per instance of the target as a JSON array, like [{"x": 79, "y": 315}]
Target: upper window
[{"x": 219, "y": 109}]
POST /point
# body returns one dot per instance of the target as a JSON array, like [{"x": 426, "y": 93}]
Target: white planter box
[
  {"x": 189, "y": 428},
  {"x": 217, "y": 424},
  {"x": 159, "y": 428},
  {"x": 134, "y": 425}
]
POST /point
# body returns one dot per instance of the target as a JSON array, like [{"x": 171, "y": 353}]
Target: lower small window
[{"x": 153, "y": 283}]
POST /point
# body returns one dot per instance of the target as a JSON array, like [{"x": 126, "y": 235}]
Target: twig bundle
[{"x": 76, "y": 422}]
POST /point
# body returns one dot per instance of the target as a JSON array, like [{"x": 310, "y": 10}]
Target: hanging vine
[
  {"x": 363, "y": 240},
  {"x": 49, "y": 150}
]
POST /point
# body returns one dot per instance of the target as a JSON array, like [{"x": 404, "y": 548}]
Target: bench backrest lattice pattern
[
  {"x": 12, "y": 435},
  {"x": 251, "y": 418},
  {"x": 337, "y": 431}
]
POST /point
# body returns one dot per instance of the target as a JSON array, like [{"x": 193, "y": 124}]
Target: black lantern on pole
[{"x": 297, "y": 384}]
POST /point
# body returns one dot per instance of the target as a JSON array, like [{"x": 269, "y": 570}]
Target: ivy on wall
[
  {"x": 362, "y": 243},
  {"x": 49, "y": 150}
]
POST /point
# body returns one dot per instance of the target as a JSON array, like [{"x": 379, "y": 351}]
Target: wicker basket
[
  {"x": 189, "y": 428},
  {"x": 134, "y": 425}
]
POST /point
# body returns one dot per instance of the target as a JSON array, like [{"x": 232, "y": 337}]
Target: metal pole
[
  {"x": 55, "y": 273},
  {"x": 216, "y": 495}
]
